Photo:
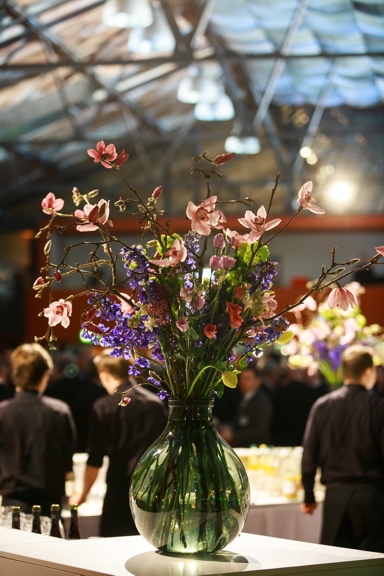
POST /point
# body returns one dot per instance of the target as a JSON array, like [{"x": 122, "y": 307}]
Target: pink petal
[
  {"x": 100, "y": 147},
  {"x": 380, "y": 250},
  {"x": 272, "y": 224},
  {"x": 191, "y": 210},
  {"x": 307, "y": 187},
  {"x": 79, "y": 214},
  {"x": 92, "y": 153},
  {"x": 106, "y": 165},
  {"x": 332, "y": 298},
  {"x": 86, "y": 227},
  {"x": 58, "y": 204},
  {"x": 201, "y": 227},
  {"x": 315, "y": 209},
  {"x": 261, "y": 212},
  {"x": 160, "y": 262}
]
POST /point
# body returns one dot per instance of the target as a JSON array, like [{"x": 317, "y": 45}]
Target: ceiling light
[
  {"x": 215, "y": 111},
  {"x": 242, "y": 144},
  {"x": 127, "y": 13},
  {"x": 157, "y": 37},
  {"x": 202, "y": 83},
  {"x": 305, "y": 152}
]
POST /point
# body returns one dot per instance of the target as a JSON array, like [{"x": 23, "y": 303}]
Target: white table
[{"x": 25, "y": 554}]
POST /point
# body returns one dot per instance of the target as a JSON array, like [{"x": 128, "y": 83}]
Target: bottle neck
[
  {"x": 74, "y": 517},
  {"x": 190, "y": 411}
]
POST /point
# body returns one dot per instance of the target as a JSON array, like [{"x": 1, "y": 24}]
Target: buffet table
[{"x": 26, "y": 554}]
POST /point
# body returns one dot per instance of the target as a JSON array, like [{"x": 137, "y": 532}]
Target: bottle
[
  {"x": 74, "y": 532},
  {"x": 36, "y": 526},
  {"x": 16, "y": 517},
  {"x": 55, "y": 521}
]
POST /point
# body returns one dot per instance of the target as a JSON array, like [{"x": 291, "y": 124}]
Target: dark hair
[
  {"x": 116, "y": 367},
  {"x": 355, "y": 360},
  {"x": 253, "y": 367},
  {"x": 29, "y": 364}
]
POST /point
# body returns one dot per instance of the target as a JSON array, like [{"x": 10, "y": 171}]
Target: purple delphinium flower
[{"x": 262, "y": 275}]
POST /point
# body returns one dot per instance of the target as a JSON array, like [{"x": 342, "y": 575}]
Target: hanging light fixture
[
  {"x": 202, "y": 83},
  {"x": 127, "y": 13},
  {"x": 219, "y": 111},
  {"x": 242, "y": 144},
  {"x": 157, "y": 37}
]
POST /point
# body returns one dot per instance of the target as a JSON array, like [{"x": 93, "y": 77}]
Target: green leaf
[
  {"x": 263, "y": 253},
  {"x": 193, "y": 333}
]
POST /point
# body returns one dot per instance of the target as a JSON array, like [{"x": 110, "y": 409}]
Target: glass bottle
[
  {"x": 74, "y": 532},
  {"x": 36, "y": 526},
  {"x": 16, "y": 517},
  {"x": 55, "y": 521}
]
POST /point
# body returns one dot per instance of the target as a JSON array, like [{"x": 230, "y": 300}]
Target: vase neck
[{"x": 190, "y": 411}]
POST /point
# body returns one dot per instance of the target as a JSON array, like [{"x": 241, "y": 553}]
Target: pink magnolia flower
[
  {"x": 51, "y": 204},
  {"x": 215, "y": 263},
  {"x": 308, "y": 304},
  {"x": 228, "y": 262},
  {"x": 104, "y": 154},
  {"x": 380, "y": 250},
  {"x": 126, "y": 307},
  {"x": 182, "y": 324},
  {"x": 157, "y": 192},
  {"x": 176, "y": 254},
  {"x": 306, "y": 200},
  {"x": 210, "y": 330},
  {"x": 342, "y": 298},
  {"x": 234, "y": 238},
  {"x": 204, "y": 216},
  {"x": 58, "y": 313},
  {"x": 269, "y": 306},
  {"x": 218, "y": 241},
  {"x": 96, "y": 214},
  {"x": 257, "y": 223}
]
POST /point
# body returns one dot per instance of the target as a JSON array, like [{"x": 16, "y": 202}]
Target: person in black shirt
[
  {"x": 123, "y": 434},
  {"x": 37, "y": 435},
  {"x": 345, "y": 438},
  {"x": 253, "y": 419}
]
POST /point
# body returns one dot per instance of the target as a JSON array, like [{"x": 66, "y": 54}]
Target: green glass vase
[{"x": 189, "y": 492}]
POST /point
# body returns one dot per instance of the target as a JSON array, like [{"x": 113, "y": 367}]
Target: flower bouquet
[
  {"x": 322, "y": 333},
  {"x": 178, "y": 314}
]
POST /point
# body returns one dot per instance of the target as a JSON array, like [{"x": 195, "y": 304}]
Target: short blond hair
[
  {"x": 116, "y": 367},
  {"x": 29, "y": 364},
  {"x": 355, "y": 360}
]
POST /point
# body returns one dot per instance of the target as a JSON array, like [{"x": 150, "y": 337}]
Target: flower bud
[
  {"x": 157, "y": 192},
  {"x": 38, "y": 282},
  {"x": 58, "y": 276},
  {"x": 218, "y": 241},
  {"x": 223, "y": 158}
]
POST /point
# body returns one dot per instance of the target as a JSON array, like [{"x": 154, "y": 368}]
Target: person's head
[
  {"x": 249, "y": 379},
  {"x": 112, "y": 370},
  {"x": 31, "y": 366},
  {"x": 358, "y": 366}
]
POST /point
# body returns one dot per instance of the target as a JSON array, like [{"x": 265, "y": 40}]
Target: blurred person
[
  {"x": 77, "y": 384},
  {"x": 37, "y": 435},
  {"x": 123, "y": 434},
  {"x": 345, "y": 438},
  {"x": 6, "y": 389},
  {"x": 378, "y": 388},
  {"x": 293, "y": 402},
  {"x": 253, "y": 420}
]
